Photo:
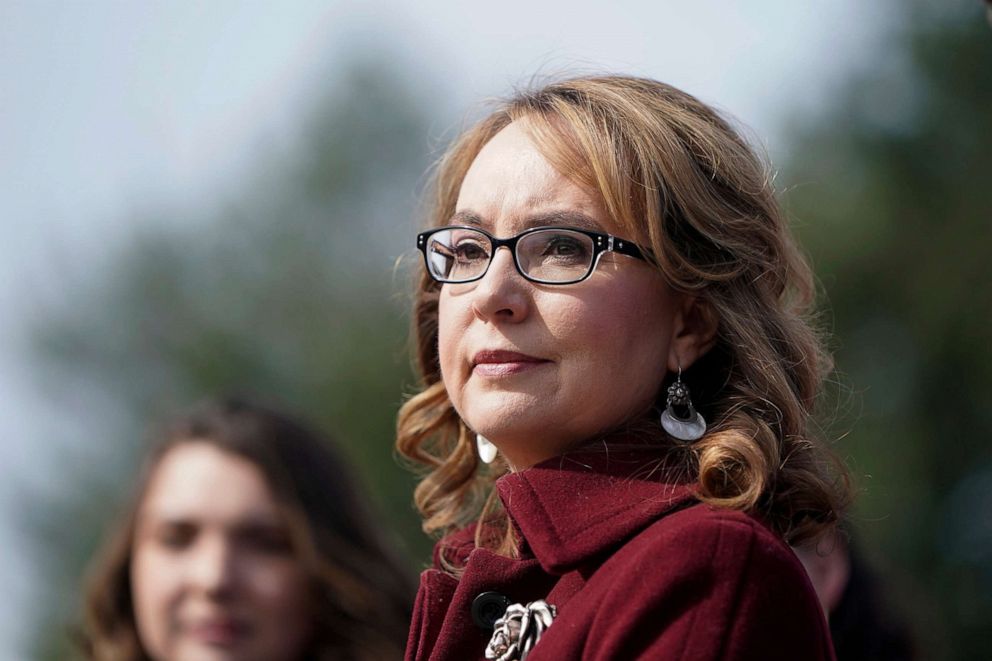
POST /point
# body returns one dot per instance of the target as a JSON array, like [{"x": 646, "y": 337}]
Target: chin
[
  {"x": 525, "y": 441},
  {"x": 519, "y": 431},
  {"x": 506, "y": 413}
]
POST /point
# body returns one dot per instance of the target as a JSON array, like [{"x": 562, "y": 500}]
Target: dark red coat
[{"x": 636, "y": 568}]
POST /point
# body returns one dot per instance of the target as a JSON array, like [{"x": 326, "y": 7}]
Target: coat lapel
[
  {"x": 577, "y": 508},
  {"x": 571, "y": 512}
]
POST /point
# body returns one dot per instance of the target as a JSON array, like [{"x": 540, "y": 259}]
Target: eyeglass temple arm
[{"x": 625, "y": 248}]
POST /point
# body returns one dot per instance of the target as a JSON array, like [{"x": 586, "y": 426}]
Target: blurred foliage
[
  {"x": 290, "y": 292},
  {"x": 890, "y": 186}
]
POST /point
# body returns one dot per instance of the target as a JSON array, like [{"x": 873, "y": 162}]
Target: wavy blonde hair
[{"x": 677, "y": 178}]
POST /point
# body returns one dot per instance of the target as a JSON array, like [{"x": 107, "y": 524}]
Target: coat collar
[{"x": 576, "y": 507}]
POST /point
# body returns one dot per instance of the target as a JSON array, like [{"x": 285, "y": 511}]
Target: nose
[
  {"x": 213, "y": 567},
  {"x": 502, "y": 295}
]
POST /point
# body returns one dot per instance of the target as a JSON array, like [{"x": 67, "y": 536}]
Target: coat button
[{"x": 487, "y": 608}]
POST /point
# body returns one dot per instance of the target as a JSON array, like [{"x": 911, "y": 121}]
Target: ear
[{"x": 694, "y": 332}]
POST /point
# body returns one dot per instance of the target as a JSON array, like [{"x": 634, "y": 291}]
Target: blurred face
[
  {"x": 536, "y": 368},
  {"x": 213, "y": 574}
]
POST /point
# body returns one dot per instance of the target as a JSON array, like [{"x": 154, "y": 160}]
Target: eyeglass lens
[{"x": 551, "y": 255}]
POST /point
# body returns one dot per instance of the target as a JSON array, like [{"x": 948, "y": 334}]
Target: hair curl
[{"x": 676, "y": 177}]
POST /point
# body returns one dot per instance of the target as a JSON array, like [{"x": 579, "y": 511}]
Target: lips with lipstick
[{"x": 498, "y": 362}]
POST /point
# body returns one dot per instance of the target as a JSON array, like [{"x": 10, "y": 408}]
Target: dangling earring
[
  {"x": 680, "y": 419},
  {"x": 487, "y": 451}
]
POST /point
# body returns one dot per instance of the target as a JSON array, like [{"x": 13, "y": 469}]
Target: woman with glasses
[{"x": 618, "y": 374}]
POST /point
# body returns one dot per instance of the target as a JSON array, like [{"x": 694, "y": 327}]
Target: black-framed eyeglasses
[{"x": 548, "y": 255}]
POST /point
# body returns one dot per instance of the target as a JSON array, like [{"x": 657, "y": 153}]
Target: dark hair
[{"x": 362, "y": 594}]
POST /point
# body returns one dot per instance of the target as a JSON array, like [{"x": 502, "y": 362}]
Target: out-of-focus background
[{"x": 196, "y": 197}]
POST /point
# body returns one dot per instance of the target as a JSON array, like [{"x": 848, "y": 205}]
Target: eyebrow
[
  {"x": 252, "y": 519},
  {"x": 563, "y": 217}
]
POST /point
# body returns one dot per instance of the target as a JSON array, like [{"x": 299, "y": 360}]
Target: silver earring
[
  {"x": 680, "y": 419},
  {"x": 487, "y": 451}
]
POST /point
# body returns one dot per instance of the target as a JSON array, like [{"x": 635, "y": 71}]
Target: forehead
[
  {"x": 511, "y": 185},
  {"x": 197, "y": 480}
]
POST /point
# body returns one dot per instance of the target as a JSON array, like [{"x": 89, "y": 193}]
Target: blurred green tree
[
  {"x": 289, "y": 292},
  {"x": 890, "y": 186}
]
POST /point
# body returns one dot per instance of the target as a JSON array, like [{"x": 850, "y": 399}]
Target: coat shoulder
[
  {"x": 703, "y": 583},
  {"x": 726, "y": 532},
  {"x": 709, "y": 546}
]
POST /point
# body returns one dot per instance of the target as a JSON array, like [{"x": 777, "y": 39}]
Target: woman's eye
[
  {"x": 564, "y": 246},
  {"x": 266, "y": 541},
  {"x": 176, "y": 536},
  {"x": 468, "y": 251}
]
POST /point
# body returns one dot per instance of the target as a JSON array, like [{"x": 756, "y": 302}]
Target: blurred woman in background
[{"x": 246, "y": 539}]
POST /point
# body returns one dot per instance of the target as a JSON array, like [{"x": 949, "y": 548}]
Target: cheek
[
  {"x": 278, "y": 583},
  {"x": 618, "y": 345},
  {"x": 451, "y": 330},
  {"x": 281, "y": 605},
  {"x": 602, "y": 327},
  {"x": 155, "y": 592}
]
